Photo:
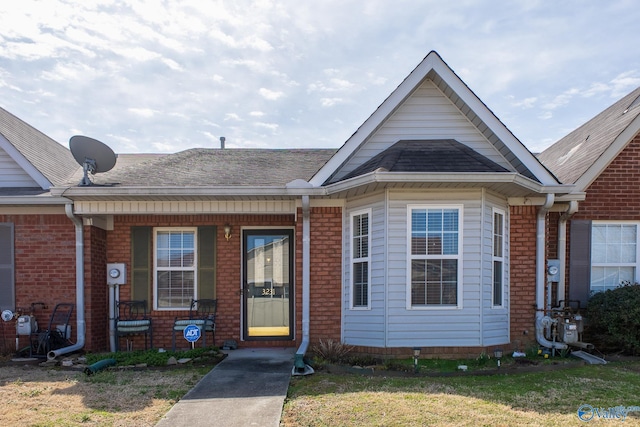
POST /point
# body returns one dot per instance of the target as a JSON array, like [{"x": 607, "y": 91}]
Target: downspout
[
  {"x": 299, "y": 367},
  {"x": 562, "y": 246},
  {"x": 80, "y": 322},
  {"x": 543, "y": 321}
]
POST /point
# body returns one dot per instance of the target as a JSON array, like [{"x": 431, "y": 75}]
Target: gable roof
[
  {"x": 583, "y": 154},
  {"x": 444, "y": 155},
  {"x": 43, "y": 159},
  {"x": 468, "y": 104}
]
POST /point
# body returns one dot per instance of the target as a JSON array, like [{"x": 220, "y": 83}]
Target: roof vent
[{"x": 222, "y": 140}]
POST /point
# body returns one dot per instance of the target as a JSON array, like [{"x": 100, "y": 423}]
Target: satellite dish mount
[{"x": 92, "y": 155}]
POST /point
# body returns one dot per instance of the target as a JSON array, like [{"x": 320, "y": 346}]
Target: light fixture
[
  {"x": 227, "y": 231},
  {"x": 416, "y": 355},
  {"x": 497, "y": 353}
]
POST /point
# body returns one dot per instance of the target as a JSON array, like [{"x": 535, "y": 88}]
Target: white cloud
[
  {"x": 271, "y": 95},
  {"x": 142, "y": 112}
]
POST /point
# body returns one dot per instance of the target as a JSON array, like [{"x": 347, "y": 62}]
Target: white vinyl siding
[
  {"x": 175, "y": 268},
  {"x": 614, "y": 254},
  {"x": 498, "y": 258},
  {"x": 360, "y": 261},
  {"x": 426, "y": 114},
  {"x": 391, "y": 321},
  {"x": 366, "y": 326},
  {"x": 12, "y": 174}
]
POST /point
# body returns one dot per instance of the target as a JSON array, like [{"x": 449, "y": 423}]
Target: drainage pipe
[
  {"x": 80, "y": 322},
  {"x": 541, "y": 319},
  {"x": 300, "y": 368},
  {"x": 562, "y": 246},
  {"x": 99, "y": 365}
]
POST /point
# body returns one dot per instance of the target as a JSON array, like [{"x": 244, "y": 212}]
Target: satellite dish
[
  {"x": 92, "y": 155},
  {"x": 7, "y": 315}
]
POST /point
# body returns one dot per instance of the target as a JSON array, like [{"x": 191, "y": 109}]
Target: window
[
  {"x": 361, "y": 242},
  {"x": 434, "y": 255},
  {"x": 498, "y": 258},
  {"x": 175, "y": 268},
  {"x": 7, "y": 282},
  {"x": 614, "y": 255}
]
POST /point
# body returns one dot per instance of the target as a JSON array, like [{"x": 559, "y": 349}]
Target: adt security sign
[{"x": 191, "y": 333}]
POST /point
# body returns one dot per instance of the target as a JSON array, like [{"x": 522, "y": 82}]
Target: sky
[{"x": 162, "y": 76}]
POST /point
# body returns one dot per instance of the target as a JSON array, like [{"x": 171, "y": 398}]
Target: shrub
[
  {"x": 332, "y": 351},
  {"x": 614, "y": 319}
]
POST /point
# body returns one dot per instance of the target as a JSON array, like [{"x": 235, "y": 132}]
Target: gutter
[
  {"x": 562, "y": 246},
  {"x": 80, "y": 321},
  {"x": 299, "y": 367},
  {"x": 543, "y": 321}
]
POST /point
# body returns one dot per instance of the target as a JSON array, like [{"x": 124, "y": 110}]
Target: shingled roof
[
  {"x": 442, "y": 155},
  {"x": 200, "y": 167},
  {"x": 572, "y": 156},
  {"x": 51, "y": 159}
]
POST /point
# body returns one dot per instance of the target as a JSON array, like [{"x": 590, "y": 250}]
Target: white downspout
[
  {"x": 301, "y": 368},
  {"x": 562, "y": 246},
  {"x": 543, "y": 321},
  {"x": 80, "y": 322}
]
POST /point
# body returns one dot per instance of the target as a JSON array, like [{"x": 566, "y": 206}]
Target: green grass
[{"x": 549, "y": 398}]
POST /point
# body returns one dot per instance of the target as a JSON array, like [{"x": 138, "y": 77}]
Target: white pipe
[
  {"x": 80, "y": 322},
  {"x": 562, "y": 246},
  {"x": 541, "y": 274},
  {"x": 306, "y": 266},
  {"x": 540, "y": 251},
  {"x": 542, "y": 323}
]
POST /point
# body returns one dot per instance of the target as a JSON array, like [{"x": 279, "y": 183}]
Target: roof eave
[
  {"x": 474, "y": 178},
  {"x": 108, "y": 193}
]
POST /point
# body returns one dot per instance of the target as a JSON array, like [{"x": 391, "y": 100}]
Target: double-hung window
[
  {"x": 360, "y": 260},
  {"x": 174, "y": 267},
  {"x": 498, "y": 258},
  {"x": 614, "y": 255},
  {"x": 434, "y": 255}
]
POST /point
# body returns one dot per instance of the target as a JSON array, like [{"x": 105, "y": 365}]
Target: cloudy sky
[{"x": 163, "y": 76}]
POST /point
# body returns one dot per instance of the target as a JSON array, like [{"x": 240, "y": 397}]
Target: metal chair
[
  {"x": 56, "y": 334},
  {"x": 131, "y": 320},
  {"x": 202, "y": 313}
]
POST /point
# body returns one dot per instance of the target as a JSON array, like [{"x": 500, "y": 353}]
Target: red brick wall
[
  {"x": 615, "y": 194},
  {"x": 44, "y": 267},
  {"x": 523, "y": 274},
  {"x": 325, "y": 274},
  {"x": 96, "y": 293}
]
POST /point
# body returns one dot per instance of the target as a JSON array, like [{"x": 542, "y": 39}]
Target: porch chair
[
  {"x": 202, "y": 313},
  {"x": 132, "y": 319},
  {"x": 55, "y": 336}
]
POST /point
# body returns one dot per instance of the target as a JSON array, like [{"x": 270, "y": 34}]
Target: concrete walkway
[{"x": 247, "y": 388}]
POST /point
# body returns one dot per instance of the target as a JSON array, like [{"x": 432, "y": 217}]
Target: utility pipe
[
  {"x": 562, "y": 246},
  {"x": 301, "y": 368},
  {"x": 80, "y": 322},
  {"x": 542, "y": 321}
]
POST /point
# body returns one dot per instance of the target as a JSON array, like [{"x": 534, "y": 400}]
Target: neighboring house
[
  {"x": 602, "y": 159},
  {"x": 426, "y": 228}
]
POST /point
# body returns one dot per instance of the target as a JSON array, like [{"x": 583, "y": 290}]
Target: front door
[{"x": 268, "y": 284}]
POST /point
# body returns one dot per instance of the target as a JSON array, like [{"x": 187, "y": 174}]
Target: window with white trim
[
  {"x": 360, "y": 259},
  {"x": 434, "y": 255},
  {"x": 614, "y": 255},
  {"x": 175, "y": 267},
  {"x": 498, "y": 257}
]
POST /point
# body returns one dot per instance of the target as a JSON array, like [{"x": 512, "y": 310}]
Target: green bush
[{"x": 614, "y": 319}]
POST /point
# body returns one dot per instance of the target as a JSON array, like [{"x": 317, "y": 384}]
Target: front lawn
[{"x": 550, "y": 397}]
